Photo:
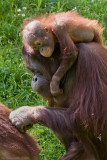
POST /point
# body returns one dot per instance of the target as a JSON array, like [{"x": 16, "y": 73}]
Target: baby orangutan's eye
[
  {"x": 46, "y": 29},
  {"x": 38, "y": 43}
]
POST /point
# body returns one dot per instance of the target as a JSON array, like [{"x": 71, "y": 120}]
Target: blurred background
[{"x": 15, "y": 80}]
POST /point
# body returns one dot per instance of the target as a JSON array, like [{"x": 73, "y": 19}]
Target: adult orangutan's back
[
  {"x": 91, "y": 85},
  {"x": 90, "y": 97},
  {"x": 13, "y": 144}
]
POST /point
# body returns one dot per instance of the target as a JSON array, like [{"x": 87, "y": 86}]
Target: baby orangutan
[{"x": 44, "y": 33}]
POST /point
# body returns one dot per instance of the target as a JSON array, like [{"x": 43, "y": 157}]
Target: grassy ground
[{"x": 15, "y": 80}]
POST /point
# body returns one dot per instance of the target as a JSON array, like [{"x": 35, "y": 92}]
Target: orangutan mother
[{"x": 78, "y": 116}]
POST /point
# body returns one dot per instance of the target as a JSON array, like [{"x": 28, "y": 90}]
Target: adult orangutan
[
  {"x": 67, "y": 27},
  {"x": 15, "y": 145},
  {"x": 79, "y": 115}
]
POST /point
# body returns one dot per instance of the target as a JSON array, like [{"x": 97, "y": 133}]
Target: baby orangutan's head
[{"x": 39, "y": 38}]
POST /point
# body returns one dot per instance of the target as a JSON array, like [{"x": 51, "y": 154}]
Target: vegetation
[{"x": 15, "y": 80}]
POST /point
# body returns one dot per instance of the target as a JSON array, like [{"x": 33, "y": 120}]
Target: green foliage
[
  {"x": 15, "y": 80},
  {"x": 51, "y": 146}
]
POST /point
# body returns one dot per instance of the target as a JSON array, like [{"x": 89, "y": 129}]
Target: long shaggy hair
[{"x": 90, "y": 91}]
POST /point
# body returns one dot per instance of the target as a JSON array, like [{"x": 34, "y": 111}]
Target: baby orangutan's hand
[{"x": 54, "y": 87}]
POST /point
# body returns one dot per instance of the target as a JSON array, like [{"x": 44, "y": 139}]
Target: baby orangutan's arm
[{"x": 69, "y": 55}]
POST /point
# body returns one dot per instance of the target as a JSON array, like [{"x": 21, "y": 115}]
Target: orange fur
[
  {"x": 73, "y": 20},
  {"x": 65, "y": 28},
  {"x": 15, "y": 145}
]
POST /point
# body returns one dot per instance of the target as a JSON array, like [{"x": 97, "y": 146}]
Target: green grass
[{"x": 15, "y": 80}]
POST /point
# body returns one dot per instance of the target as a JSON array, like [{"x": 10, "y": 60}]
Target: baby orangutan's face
[{"x": 39, "y": 38}]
